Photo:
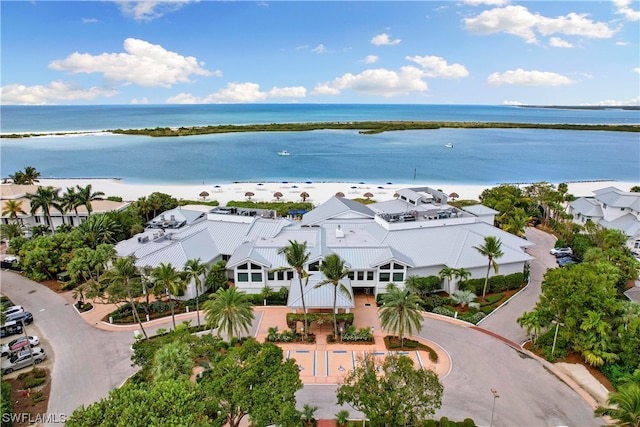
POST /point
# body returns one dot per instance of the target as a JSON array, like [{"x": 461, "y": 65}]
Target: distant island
[
  {"x": 585, "y": 107},
  {"x": 366, "y": 128}
]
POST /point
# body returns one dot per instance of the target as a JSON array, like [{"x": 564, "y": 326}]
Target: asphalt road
[{"x": 504, "y": 320}]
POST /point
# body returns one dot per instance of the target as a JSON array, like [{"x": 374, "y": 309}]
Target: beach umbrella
[
  {"x": 453, "y": 196},
  {"x": 368, "y": 195},
  {"x": 304, "y": 196},
  {"x": 259, "y": 183},
  {"x": 381, "y": 188},
  {"x": 396, "y": 195},
  {"x": 277, "y": 195},
  {"x": 339, "y": 194},
  {"x": 204, "y": 195},
  {"x": 249, "y": 195}
]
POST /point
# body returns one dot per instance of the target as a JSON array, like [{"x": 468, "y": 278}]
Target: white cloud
[
  {"x": 625, "y": 9},
  {"x": 142, "y": 63},
  {"x": 521, "y": 77},
  {"x": 142, "y": 100},
  {"x": 622, "y": 43},
  {"x": 434, "y": 66},
  {"x": 558, "y": 42},
  {"x": 488, "y": 2},
  {"x": 636, "y": 70},
  {"x": 148, "y": 10},
  {"x": 89, "y": 20},
  {"x": 507, "y": 102},
  {"x": 239, "y": 93},
  {"x": 614, "y": 103},
  {"x": 50, "y": 94},
  {"x": 379, "y": 81},
  {"x": 319, "y": 49},
  {"x": 370, "y": 59},
  {"x": 383, "y": 40},
  {"x": 518, "y": 21}
]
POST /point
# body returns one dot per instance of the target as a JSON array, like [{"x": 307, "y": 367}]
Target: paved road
[{"x": 503, "y": 321}]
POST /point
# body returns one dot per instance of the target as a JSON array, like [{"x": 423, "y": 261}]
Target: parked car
[
  {"x": 23, "y": 360},
  {"x": 24, "y": 316},
  {"x": 561, "y": 251},
  {"x": 10, "y": 328},
  {"x": 19, "y": 344},
  {"x": 566, "y": 260},
  {"x": 13, "y": 309}
]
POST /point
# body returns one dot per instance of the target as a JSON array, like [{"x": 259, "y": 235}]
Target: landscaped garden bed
[
  {"x": 288, "y": 336},
  {"x": 395, "y": 344}
]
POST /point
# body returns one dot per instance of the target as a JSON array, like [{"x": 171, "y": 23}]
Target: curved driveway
[{"x": 89, "y": 362}]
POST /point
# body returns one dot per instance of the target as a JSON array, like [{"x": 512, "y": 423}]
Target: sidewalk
[{"x": 320, "y": 362}]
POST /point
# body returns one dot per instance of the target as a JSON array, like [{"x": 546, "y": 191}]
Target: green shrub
[
  {"x": 444, "y": 311},
  {"x": 468, "y": 422},
  {"x": 473, "y": 285},
  {"x": 38, "y": 373},
  {"x": 474, "y": 318},
  {"x": 432, "y": 301},
  {"x": 33, "y": 382},
  {"x": 5, "y": 403},
  {"x": 515, "y": 280},
  {"x": 23, "y": 375},
  {"x": 497, "y": 284},
  {"x": 429, "y": 423},
  {"x": 492, "y": 299},
  {"x": 38, "y": 397}
]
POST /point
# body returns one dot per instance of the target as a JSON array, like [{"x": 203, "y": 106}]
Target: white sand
[{"x": 318, "y": 192}]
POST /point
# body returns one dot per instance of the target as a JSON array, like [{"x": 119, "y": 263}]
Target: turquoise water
[{"x": 478, "y": 156}]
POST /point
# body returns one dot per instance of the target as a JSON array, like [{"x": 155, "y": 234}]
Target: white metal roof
[{"x": 319, "y": 297}]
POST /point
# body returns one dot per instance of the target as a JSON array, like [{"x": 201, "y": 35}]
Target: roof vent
[{"x": 339, "y": 232}]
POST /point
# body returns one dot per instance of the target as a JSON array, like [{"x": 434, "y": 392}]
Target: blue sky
[{"x": 488, "y": 52}]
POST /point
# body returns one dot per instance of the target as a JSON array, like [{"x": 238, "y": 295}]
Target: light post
[
  {"x": 555, "y": 336},
  {"x": 340, "y": 333},
  {"x": 493, "y": 408}
]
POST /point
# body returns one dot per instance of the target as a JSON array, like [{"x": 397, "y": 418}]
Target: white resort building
[{"x": 417, "y": 233}]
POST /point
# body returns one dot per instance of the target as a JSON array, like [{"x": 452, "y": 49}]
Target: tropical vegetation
[
  {"x": 400, "y": 311},
  {"x": 297, "y": 256}
]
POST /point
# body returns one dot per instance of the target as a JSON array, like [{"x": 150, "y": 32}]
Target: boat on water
[
  {"x": 448, "y": 145},
  {"x": 284, "y": 153}
]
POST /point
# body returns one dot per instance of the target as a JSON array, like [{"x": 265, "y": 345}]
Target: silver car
[{"x": 23, "y": 360}]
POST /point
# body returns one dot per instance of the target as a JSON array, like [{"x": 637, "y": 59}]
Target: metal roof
[
  {"x": 337, "y": 207},
  {"x": 586, "y": 206},
  {"x": 319, "y": 297}
]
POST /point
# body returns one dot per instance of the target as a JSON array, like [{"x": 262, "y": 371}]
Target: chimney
[{"x": 339, "y": 232}]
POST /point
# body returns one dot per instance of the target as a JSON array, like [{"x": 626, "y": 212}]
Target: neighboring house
[
  {"x": 19, "y": 192},
  {"x": 381, "y": 243},
  {"x": 613, "y": 209}
]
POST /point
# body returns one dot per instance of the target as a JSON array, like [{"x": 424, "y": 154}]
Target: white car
[
  {"x": 561, "y": 251},
  {"x": 13, "y": 310},
  {"x": 18, "y": 344},
  {"x": 23, "y": 360}
]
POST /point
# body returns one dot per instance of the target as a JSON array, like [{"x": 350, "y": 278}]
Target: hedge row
[
  {"x": 498, "y": 283},
  {"x": 470, "y": 317},
  {"x": 319, "y": 318}
]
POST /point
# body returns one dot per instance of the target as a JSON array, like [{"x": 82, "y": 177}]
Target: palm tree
[
  {"x": 624, "y": 406},
  {"x": 70, "y": 200},
  {"x": 30, "y": 175},
  {"x": 86, "y": 196},
  {"x": 229, "y": 309},
  {"x": 194, "y": 269},
  {"x": 125, "y": 273},
  {"x": 447, "y": 273},
  {"x": 172, "y": 361},
  {"x": 464, "y": 298},
  {"x": 44, "y": 198},
  {"x": 100, "y": 229},
  {"x": 9, "y": 231},
  {"x": 13, "y": 208},
  {"x": 492, "y": 250},
  {"x": 297, "y": 256},
  {"x": 400, "y": 312},
  {"x": 168, "y": 278},
  {"x": 334, "y": 270}
]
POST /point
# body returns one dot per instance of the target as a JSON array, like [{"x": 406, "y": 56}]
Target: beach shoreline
[{"x": 319, "y": 192}]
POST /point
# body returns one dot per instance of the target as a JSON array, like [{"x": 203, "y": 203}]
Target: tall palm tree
[
  {"x": 30, "y": 175},
  {"x": 194, "y": 269},
  {"x": 400, "y": 312},
  {"x": 13, "y": 208},
  {"x": 44, "y": 198},
  {"x": 492, "y": 250},
  {"x": 86, "y": 196},
  {"x": 100, "y": 229},
  {"x": 70, "y": 200},
  {"x": 168, "y": 278},
  {"x": 297, "y": 256},
  {"x": 125, "y": 273},
  {"x": 624, "y": 406},
  {"x": 172, "y": 361},
  {"x": 334, "y": 270},
  {"x": 229, "y": 310}
]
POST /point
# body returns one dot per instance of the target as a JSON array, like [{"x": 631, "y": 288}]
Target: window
[
  {"x": 256, "y": 277},
  {"x": 243, "y": 267},
  {"x": 289, "y": 275},
  {"x": 360, "y": 275},
  {"x": 350, "y": 275},
  {"x": 243, "y": 277},
  {"x": 369, "y": 275},
  {"x": 384, "y": 277},
  {"x": 385, "y": 267},
  {"x": 280, "y": 275},
  {"x": 397, "y": 266},
  {"x": 314, "y": 266},
  {"x": 398, "y": 277},
  {"x": 255, "y": 267},
  {"x": 270, "y": 275},
  {"x": 38, "y": 220},
  {"x": 637, "y": 244}
]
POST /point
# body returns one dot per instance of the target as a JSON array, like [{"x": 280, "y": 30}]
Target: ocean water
[{"x": 478, "y": 156}]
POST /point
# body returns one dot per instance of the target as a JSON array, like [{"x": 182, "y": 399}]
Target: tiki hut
[
  {"x": 249, "y": 195},
  {"x": 453, "y": 196},
  {"x": 304, "y": 196},
  {"x": 368, "y": 195},
  {"x": 204, "y": 195},
  {"x": 277, "y": 195}
]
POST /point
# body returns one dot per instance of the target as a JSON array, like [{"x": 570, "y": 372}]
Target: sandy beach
[{"x": 318, "y": 192}]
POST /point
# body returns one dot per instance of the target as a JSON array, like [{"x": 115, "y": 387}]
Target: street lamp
[
  {"x": 493, "y": 408},
  {"x": 555, "y": 336},
  {"x": 340, "y": 333}
]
